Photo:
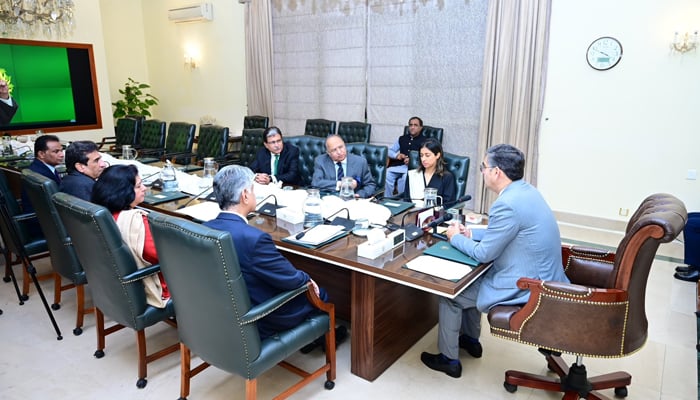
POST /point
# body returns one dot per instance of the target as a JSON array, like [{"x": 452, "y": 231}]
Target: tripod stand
[{"x": 13, "y": 243}]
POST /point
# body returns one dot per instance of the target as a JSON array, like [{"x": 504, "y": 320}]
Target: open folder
[{"x": 317, "y": 236}]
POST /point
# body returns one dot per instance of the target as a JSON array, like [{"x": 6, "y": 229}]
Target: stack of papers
[{"x": 441, "y": 268}]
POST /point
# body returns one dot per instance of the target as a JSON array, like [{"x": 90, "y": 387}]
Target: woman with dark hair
[
  {"x": 120, "y": 190},
  {"x": 431, "y": 173}
]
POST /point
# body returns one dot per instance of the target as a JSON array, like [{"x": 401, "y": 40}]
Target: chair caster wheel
[
  {"x": 509, "y": 387},
  {"x": 77, "y": 331},
  {"x": 99, "y": 354},
  {"x": 24, "y": 297},
  {"x": 55, "y": 306},
  {"x": 329, "y": 385},
  {"x": 6, "y": 279},
  {"x": 141, "y": 383},
  {"x": 621, "y": 391}
]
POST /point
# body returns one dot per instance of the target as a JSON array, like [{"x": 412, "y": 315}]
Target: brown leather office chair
[{"x": 600, "y": 313}]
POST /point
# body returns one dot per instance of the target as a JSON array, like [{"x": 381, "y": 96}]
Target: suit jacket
[
  {"x": 40, "y": 168},
  {"x": 7, "y": 112},
  {"x": 78, "y": 185},
  {"x": 445, "y": 185},
  {"x": 522, "y": 239},
  {"x": 287, "y": 167},
  {"x": 266, "y": 273},
  {"x": 325, "y": 176}
]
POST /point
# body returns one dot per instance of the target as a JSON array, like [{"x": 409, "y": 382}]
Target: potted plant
[{"x": 136, "y": 101}]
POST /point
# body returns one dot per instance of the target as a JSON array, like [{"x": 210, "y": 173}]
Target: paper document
[
  {"x": 204, "y": 211},
  {"x": 320, "y": 233},
  {"x": 445, "y": 269}
]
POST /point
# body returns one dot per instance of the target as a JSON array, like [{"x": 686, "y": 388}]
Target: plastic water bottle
[
  {"x": 312, "y": 208},
  {"x": 167, "y": 174}
]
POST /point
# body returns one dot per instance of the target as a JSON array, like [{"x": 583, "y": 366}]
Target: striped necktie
[{"x": 341, "y": 174}]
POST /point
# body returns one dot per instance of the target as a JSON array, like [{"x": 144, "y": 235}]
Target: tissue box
[
  {"x": 376, "y": 249},
  {"x": 291, "y": 216}
]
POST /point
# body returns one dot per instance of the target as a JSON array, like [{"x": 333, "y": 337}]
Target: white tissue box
[
  {"x": 291, "y": 216},
  {"x": 376, "y": 249}
]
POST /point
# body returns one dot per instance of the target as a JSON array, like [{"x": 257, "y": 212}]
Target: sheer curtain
[
  {"x": 514, "y": 79},
  {"x": 258, "y": 56}
]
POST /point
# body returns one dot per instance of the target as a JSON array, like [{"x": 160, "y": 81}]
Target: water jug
[
  {"x": 312, "y": 208},
  {"x": 210, "y": 168},
  {"x": 169, "y": 178},
  {"x": 346, "y": 190}
]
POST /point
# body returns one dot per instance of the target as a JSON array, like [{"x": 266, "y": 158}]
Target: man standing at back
[
  {"x": 398, "y": 156},
  {"x": 277, "y": 161},
  {"x": 522, "y": 239},
  {"x": 336, "y": 164},
  {"x": 84, "y": 165}
]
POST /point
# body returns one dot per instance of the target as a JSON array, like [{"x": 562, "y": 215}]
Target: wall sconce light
[
  {"x": 684, "y": 43},
  {"x": 190, "y": 62}
]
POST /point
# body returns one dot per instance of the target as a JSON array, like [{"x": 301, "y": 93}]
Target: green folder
[
  {"x": 396, "y": 206},
  {"x": 163, "y": 197},
  {"x": 446, "y": 251}
]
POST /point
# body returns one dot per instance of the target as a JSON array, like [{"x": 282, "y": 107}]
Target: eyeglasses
[{"x": 483, "y": 166}]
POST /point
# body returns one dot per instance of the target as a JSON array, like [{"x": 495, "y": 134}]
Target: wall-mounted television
[{"x": 55, "y": 86}]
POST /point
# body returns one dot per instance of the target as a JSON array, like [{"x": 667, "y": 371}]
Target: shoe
[
  {"x": 691, "y": 276},
  {"x": 341, "y": 334},
  {"x": 472, "y": 346},
  {"x": 685, "y": 268},
  {"x": 439, "y": 362}
]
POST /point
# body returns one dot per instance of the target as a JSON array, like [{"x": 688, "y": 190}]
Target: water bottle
[
  {"x": 312, "y": 208},
  {"x": 167, "y": 175},
  {"x": 346, "y": 191}
]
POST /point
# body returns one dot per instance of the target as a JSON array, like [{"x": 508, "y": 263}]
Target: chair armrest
[
  {"x": 107, "y": 140},
  {"x": 588, "y": 266},
  {"x": 317, "y": 302},
  {"x": 568, "y": 251},
  {"x": 140, "y": 274},
  {"x": 263, "y": 309},
  {"x": 24, "y": 217}
]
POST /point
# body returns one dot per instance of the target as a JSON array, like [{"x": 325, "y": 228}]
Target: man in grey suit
[
  {"x": 331, "y": 167},
  {"x": 522, "y": 239}
]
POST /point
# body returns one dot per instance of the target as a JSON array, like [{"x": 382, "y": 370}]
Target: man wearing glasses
[
  {"x": 277, "y": 161},
  {"x": 398, "y": 156},
  {"x": 522, "y": 239},
  {"x": 84, "y": 165}
]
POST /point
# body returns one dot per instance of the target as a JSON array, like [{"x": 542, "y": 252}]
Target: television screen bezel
[{"x": 48, "y": 128}]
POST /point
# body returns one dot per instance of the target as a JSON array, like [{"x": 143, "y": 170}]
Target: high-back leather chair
[
  {"x": 212, "y": 141},
  {"x": 115, "y": 280},
  {"x": 310, "y": 147},
  {"x": 354, "y": 132},
  {"x": 251, "y": 141},
  {"x": 429, "y": 132},
  {"x": 376, "y": 159},
  {"x": 255, "y": 121},
  {"x": 226, "y": 336},
  {"x": 152, "y": 140},
  {"x": 457, "y": 165},
  {"x": 127, "y": 132},
  {"x": 178, "y": 143},
  {"x": 601, "y": 313},
  {"x": 64, "y": 260},
  {"x": 319, "y": 127}
]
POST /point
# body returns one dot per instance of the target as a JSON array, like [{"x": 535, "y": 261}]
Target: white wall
[{"x": 611, "y": 138}]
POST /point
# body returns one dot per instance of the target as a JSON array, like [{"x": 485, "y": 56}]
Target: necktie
[
  {"x": 58, "y": 177},
  {"x": 341, "y": 174},
  {"x": 274, "y": 165}
]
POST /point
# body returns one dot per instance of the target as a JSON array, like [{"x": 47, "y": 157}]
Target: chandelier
[{"x": 30, "y": 18}]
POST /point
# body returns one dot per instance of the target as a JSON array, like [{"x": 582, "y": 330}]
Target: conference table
[{"x": 389, "y": 306}]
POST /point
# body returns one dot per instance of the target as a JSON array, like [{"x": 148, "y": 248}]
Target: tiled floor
[{"x": 34, "y": 365}]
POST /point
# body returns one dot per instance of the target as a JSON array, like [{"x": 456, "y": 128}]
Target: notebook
[
  {"x": 445, "y": 251},
  {"x": 163, "y": 197}
]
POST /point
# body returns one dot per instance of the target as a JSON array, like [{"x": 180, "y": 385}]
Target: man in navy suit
[
  {"x": 48, "y": 153},
  {"x": 276, "y": 161},
  {"x": 265, "y": 271},
  {"x": 84, "y": 165},
  {"x": 522, "y": 239},
  {"x": 331, "y": 167}
]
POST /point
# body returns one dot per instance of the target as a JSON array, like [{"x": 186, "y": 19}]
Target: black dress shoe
[
  {"x": 691, "y": 276},
  {"x": 341, "y": 334},
  {"x": 685, "y": 268},
  {"x": 473, "y": 348},
  {"x": 439, "y": 362}
]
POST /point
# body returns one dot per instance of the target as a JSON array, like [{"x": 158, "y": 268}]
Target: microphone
[
  {"x": 413, "y": 231},
  {"x": 346, "y": 223},
  {"x": 436, "y": 222},
  {"x": 194, "y": 198},
  {"x": 268, "y": 209},
  {"x": 145, "y": 178},
  {"x": 462, "y": 199}
]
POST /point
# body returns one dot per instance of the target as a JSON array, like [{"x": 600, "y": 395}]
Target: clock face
[{"x": 604, "y": 53}]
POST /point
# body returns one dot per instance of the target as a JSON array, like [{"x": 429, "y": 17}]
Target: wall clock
[{"x": 604, "y": 53}]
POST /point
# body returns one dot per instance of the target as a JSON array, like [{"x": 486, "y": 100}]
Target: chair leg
[
  {"x": 57, "y": 289},
  {"x": 185, "y": 375},
  {"x": 251, "y": 389},
  {"x": 141, "y": 349},
  {"x": 100, "y": 330},
  {"x": 81, "y": 310}
]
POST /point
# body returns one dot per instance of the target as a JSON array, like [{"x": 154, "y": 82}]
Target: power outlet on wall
[{"x": 623, "y": 212}]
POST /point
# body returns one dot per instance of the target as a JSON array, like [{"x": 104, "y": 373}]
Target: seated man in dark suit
[
  {"x": 48, "y": 153},
  {"x": 84, "y": 164},
  {"x": 277, "y": 161},
  {"x": 265, "y": 271},
  {"x": 331, "y": 167}
]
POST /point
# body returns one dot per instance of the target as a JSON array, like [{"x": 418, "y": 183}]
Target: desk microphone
[
  {"x": 194, "y": 198},
  {"x": 268, "y": 209},
  {"x": 436, "y": 222},
  {"x": 413, "y": 231},
  {"x": 462, "y": 199},
  {"x": 346, "y": 223}
]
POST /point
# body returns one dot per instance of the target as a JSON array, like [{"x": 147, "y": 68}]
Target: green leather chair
[
  {"x": 212, "y": 142},
  {"x": 226, "y": 335},
  {"x": 429, "y": 132},
  {"x": 310, "y": 147},
  {"x": 255, "y": 121},
  {"x": 115, "y": 280},
  {"x": 178, "y": 144},
  {"x": 251, "y": 141},
  {"x": 127, "y": 132},
  {"x": 319, "y": 127},
  {"x": 64, "y": 260},
  {"x": 458, "y": 165},
  {"x": 376, "y": 159},
  {"x": 354, "y": 132},
  {"x": 151, "y": 141}
]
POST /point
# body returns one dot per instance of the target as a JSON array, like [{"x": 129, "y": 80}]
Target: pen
[{"x": 300, "y": 235}]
